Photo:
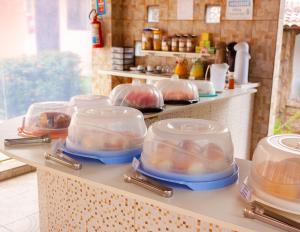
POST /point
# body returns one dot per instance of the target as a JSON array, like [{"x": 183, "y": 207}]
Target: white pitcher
[{"x": 218, "y": 75}]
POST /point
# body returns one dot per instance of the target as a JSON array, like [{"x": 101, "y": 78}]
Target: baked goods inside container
[
  {"x": 144, "y": 97},
  {"x": 47, "y": 118},
  {"x": 193, "y": 148},
  {"x": 275, "y": 170},
  {"x": 178, "y": 91},
  {"x": 106, "y": 131}
]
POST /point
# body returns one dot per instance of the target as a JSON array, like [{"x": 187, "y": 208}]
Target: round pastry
[
  {"x": 137, "y": 95},
  {"x": 141, "y": 99},
  {"x": 175, "y": 89},
  {"x": 53, "y": 120},
  {"x": 178, "y": 95}
]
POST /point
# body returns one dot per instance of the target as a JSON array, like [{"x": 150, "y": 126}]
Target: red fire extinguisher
[{"x": 97, "y": 37}]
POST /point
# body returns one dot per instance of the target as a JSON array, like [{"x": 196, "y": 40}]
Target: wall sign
[
  {"x": 239, "y": 9},
  {"x": 185, "y": 9},
  {"x": 101, "y": 7},
  {"x": 153, "y": 14}
]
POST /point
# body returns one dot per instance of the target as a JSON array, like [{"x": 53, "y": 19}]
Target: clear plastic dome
[
  {"x": 112, "y": 128},
  {"x": 87, "y": 101},
  {"x": 188, "y": 146},
  {"x": 275, "y": 170},
  {"x": 47, "y": 118},
  {"x": 144, "y": 97},
  {"x": 175, "y": 90}
]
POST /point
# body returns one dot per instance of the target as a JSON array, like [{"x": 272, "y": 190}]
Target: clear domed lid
[
  {"x": 47, "y": 118},
  {"x": 140, "y": 96},
  {"x": 178, "y": 90},
  {"x": 275, "y": 168},
  {"x": 106, "y": 128},
  {"x": 86, "y": 101},
  {"x": 188, "y": 146}
]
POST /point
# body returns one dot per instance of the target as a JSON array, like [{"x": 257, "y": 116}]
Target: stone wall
[{"x": 129, "y": 17}]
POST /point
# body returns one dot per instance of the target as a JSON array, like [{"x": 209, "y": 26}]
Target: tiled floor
[{"x": 19, "y": 204}]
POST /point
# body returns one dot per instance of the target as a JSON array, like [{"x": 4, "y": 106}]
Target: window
[
  {"x": 78, "y": 13},
  {"x": 295, "y": 85},
  {"x": 43, "y": 57}
]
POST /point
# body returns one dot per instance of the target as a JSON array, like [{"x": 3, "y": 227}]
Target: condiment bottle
[
  {"x": 175, "y": 43},
  {"x": 147, "y": 39},
  {"x": 183, "y": 43},
  {"x": 157, "y": 39},
  {"x": 191, "y": 43},
  {"x": 166, "y": 43},
  {"x": 230, "y": 80}
]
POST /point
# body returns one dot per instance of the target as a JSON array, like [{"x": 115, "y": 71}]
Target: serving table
[{"x": 96, "y": 198}]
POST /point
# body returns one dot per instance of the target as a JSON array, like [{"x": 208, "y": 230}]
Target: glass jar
[
  {"x": 175, "y": 43},
  {"x": 191, "y": 43},
  {"x": 157, "y": 40},
  {"x": 166, "y": 44},
  {"x": 147, "y": 39},
  {"x": 183, "y": 43}
]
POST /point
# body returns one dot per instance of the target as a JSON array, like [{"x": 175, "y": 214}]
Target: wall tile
[
  {"x": 236, "y": 31},
  {"x": 266, "y": 9},
  {"x": 263, "y": 46}
]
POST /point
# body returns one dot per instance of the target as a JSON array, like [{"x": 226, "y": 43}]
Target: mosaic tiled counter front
[{"x": 96, "y": 198}]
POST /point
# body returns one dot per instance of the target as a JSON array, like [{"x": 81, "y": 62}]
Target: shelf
[
  {"x": 134, "y": 75},
  {"x": 189, "y": 55}
]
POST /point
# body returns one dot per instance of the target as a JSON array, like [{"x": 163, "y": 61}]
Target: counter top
[
  {"x": 206, "y": 100},
  {"x": 223, "y": 205}
]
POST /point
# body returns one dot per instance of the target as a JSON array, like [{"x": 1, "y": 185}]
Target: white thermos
[{"x": 241, "y": 67}]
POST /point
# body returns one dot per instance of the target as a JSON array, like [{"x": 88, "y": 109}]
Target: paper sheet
[
  {"x": 185, "y": 9},
  {"x": 239, "y": 9}
]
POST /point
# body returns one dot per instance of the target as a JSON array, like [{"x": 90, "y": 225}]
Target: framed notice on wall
[{"x": 239, "y": 9}]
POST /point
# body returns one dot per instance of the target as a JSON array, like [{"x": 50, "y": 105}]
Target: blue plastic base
[
  {"x": 208, "y": 95},
  {"x": 119, "y": 157},
  {"x": 193, "y": 185}
]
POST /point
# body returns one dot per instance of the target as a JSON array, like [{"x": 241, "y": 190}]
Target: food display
[
  {"x": 275, "y": 171},
  {"x": 112, "y": 128},
  {"x": 155, "y": 39},
  {"x": 188, "y": 147},
  {"x": 47, "y": 118},
  {"x": 178, "y": 91},
  {"x": 85, "y": 101},
  {"x": 144, "y": 97}
]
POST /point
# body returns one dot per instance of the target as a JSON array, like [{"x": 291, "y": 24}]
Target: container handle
[{"x": 207, "y": 69}]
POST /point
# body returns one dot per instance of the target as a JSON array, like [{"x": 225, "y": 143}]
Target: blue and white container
[
  {"x": 105, "y": 133},
  {"x": 192, "y": 152}
]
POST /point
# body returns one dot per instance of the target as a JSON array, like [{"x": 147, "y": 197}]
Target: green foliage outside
[
  {"x": 45, "y": 77},
  {"x": 285, "y": 128}
]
